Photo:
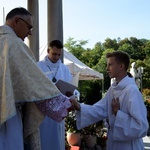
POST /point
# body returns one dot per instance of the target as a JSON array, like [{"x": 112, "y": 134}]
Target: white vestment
[
  {"x": 10, "y": 135},
  {"x": 127, "y": 128},
  {"x": 52, "y": 132}
]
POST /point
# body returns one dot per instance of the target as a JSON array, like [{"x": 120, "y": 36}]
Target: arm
[
  {"x": 55, "y": 108},
  {"x": 87, "y": 114}
]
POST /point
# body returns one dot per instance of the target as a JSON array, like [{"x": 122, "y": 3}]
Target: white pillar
[
  {"x": 55, "y": 21},
  {"x": 33, "y": 7}
]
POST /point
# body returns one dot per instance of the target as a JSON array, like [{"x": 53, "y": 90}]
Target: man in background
[{"x": 52, "y": 132}]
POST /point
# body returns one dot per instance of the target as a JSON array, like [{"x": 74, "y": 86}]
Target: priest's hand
[{"x": 115, "y": 105}]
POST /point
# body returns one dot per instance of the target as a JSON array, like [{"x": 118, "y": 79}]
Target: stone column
[
  {"x": 33, "y": 7},
  {"x": 55, "y": 21}
]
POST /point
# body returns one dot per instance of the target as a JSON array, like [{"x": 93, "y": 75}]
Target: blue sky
[{"x": 94, "y": 20}]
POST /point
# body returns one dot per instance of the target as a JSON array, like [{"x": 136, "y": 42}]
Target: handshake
[
  {"x": 75, "y": 105},
  {"x": 74, "y": 98}
]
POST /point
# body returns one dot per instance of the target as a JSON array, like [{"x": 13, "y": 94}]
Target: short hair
[
  {"x": 18, "y": 11},
  {"x": 56, "y": 43},
  {"x": 120, "y": 57},
  {"x": 129, "y": 74}
]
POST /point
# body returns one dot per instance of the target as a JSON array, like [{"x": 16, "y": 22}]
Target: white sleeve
[{"x": 91, "y": 114}]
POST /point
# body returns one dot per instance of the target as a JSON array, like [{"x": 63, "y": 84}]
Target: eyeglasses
[{"x": 29, "y": 26}]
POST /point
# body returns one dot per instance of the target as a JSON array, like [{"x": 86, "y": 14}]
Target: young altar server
[{"x": 123, "y": 105}]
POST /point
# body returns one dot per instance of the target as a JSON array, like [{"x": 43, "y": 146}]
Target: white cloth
[
  {"x": 129, "y": 125},
  {"x": 52, "y": 132},
  {"x": 10, "y": 136}
]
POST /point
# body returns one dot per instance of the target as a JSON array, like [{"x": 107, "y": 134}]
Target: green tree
[
  {"x": 91, "y": 91},
  {"x": 109, "y": 43},
  {"x": 75, "y": 47},
  {"x": 133, "y": 47},
  {"x": 128, "y": 48},
  {"x": 138, "y": 49},
  {"x": 146, "y": 48},
  {"x": 137, "y": 44}
]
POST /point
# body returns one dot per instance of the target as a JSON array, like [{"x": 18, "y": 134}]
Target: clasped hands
[{"x": 75, "y": 105}]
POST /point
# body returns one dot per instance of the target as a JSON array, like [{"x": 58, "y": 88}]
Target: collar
[{"x": 50, "y": 63}]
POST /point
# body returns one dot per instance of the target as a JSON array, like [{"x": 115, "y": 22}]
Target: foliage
[
  {"x": 93, "y": 129},
  {"x": 102, "y": 138},
  {"x": 147, "y": 104},
  {"x": 75, "y": 47},
  {"x": 138, "y": 49},
  {"x": 70, "y": 123},
  {"x": 90, "y": 91},
  {"x": 146, "y": 94},
  {"x": 146, "y": 48},
  {"x": 110, "y": 44},
  {"x": 133, "y": 47}
]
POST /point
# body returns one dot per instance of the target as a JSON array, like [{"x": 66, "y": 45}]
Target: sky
[{"x": 93, "y": 20}]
